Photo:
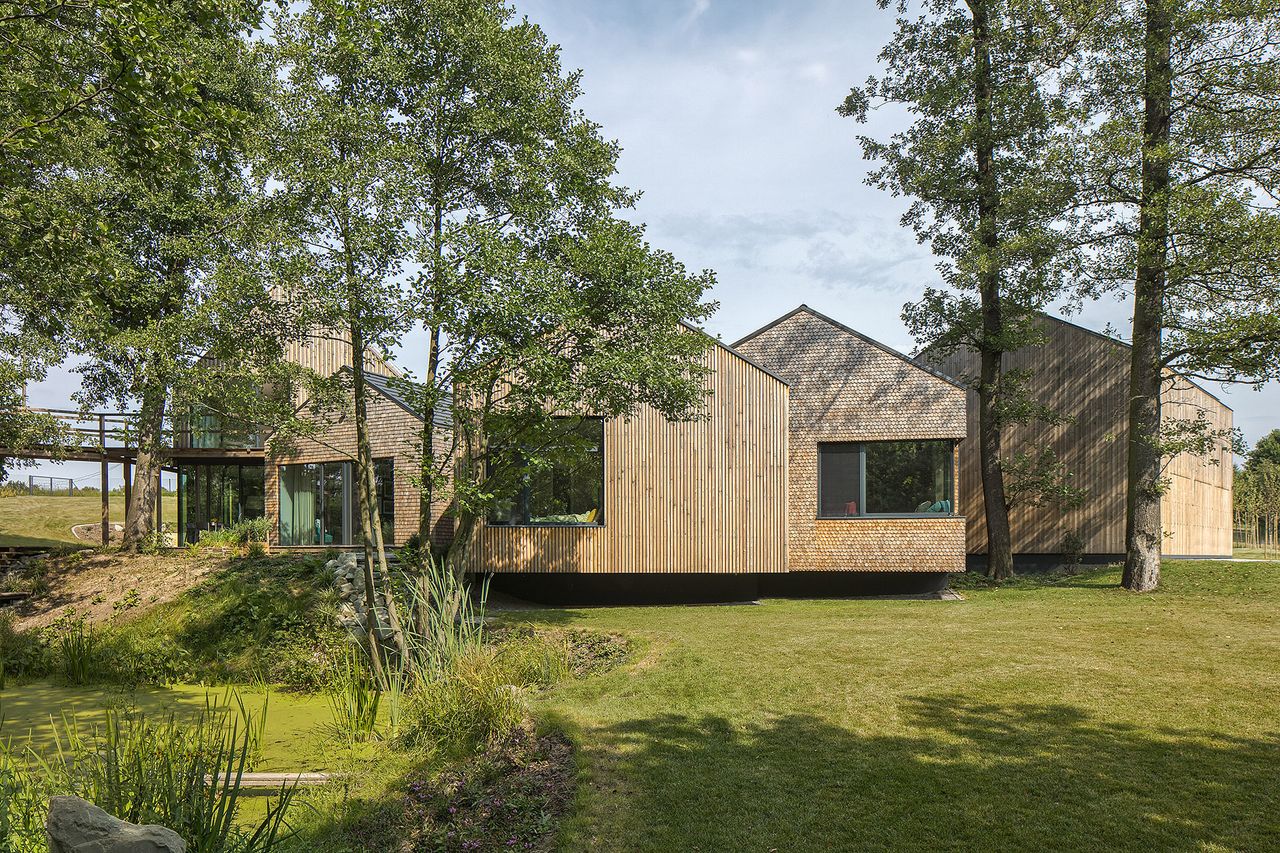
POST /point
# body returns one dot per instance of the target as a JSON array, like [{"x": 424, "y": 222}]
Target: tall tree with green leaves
[
  {"x": 524, "y": 269},
  {"x": 1181, "y": 172},
  {"x": 339, "y": 155},
  {"x": 143, "y": 214},
  {"x": 67, "y": 71},
  {"x": 983, "y": 164},
  {"x": 1265, "y": 452}
]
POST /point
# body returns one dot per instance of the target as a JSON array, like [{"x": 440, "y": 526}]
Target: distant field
[
  {"x": 47, "y": 519},
  {"x": 1256, "y": 553}
]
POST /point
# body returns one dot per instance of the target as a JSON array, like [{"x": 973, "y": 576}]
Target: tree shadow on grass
[{"x": 968, "y": 776}]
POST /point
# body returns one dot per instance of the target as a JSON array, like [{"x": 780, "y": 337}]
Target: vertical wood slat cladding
[
  {"x": 327, "y": 352},
  {"x": 847, "y": 388},
  {"x": 703, "y": 496},
  {"x": 1085, "y": 375}
]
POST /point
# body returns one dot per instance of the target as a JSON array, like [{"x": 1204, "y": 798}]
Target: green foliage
[
  {"x": 353, "y": 697},
  {"x": 75, "y": 647},
  {"x": 22, "y": 653},
  {"x": 269, "y": 618},
  {"x": 445, "y": 619},
  {"x": 1040, "y": 479},
  {"x": 182, "y": 774},
  {"x": 472, "y": 704},
  {"x": 247, "y": 532},
  {"x": 1265, "y": 452},
  {"x": 1213, "y": 245}
]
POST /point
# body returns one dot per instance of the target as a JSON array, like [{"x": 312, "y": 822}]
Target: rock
[{"x": 76, "y": 826}]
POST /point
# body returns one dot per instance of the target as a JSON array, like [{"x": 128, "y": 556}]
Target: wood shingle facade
[{"x": 847, "y": 388}]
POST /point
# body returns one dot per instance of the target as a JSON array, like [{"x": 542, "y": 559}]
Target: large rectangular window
[
  {"x": 565, "y": 487},
  {"x": 885, "y": 478},
  {"x": 211, "y": 497},
  {"x": 318, "y": 504}
]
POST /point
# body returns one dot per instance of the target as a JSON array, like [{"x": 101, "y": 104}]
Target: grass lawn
[
  {"x": 1064, "y": 716},
  {"x": 47, "y": 519},
  {"x": 1256, "y": 553}
]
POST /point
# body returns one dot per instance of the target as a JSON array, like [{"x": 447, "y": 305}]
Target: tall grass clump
[
  {"x": 353, "y": 697},
  {"x": 75, "y": 646},
  {"x": 471, "y": 705},
  {"x": 25, "y": 789},
  {"x": 445, "y": 621},
  {"x": 178, "y": 772}
]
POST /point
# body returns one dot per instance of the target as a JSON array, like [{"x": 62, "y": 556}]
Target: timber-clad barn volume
[{"x": 826, "y": 464}]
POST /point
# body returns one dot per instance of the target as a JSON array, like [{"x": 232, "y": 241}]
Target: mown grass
[
  {"x": 1048, "y": 714},
  {"x": 47, "y": 519}
]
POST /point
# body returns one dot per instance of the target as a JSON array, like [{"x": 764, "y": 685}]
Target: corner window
[
  {"x": 885, "y": 478},
  {"x": 567, "y": 487}
]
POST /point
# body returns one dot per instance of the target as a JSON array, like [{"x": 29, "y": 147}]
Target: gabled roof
[
  {"x": 729, "y": 349},
  {"x": 802, "y": 308},
  {"x": 1111, "y": 340},
  {"x": 397, "y": 390}
]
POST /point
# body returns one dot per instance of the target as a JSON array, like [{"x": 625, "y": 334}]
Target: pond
[{"x": 298, "y": 735}]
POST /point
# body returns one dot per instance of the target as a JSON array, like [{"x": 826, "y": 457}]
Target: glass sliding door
[
  {"x": 300, "y": 499},
  {"x": 315, "y": 503}
]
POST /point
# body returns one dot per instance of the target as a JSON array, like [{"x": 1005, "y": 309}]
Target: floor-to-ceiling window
[
  {"x": 214, "y": 496},
  {"x": 318, "y": 506}
]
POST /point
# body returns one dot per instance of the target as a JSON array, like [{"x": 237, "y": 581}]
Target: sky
[{"x": 725, "y": 111}]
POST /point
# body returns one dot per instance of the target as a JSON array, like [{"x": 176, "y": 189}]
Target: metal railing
[{"x": 103, "y": 431}]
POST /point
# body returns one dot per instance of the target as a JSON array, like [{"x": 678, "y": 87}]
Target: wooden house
[
  {"x": 1082, "y": 374},
  {"x": 825, "y": 463},
  {"x": 307, "y": 492}
]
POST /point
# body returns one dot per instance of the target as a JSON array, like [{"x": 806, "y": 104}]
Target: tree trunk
[
  {"x": 364, "y": 463},
  {"x": 428, "y": 470},
  {"x": 999, "y": 540},
  {"x": 380, "y": 548},
  {"x": 1142, "y": 504},
  {"x": 140, "y": 512}
]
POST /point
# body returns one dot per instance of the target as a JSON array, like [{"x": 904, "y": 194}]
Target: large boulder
[{"x": 77, "y": 826}]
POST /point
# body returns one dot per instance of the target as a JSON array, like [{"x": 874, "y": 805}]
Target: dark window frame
[
  {"x": 524, "y": 492},
  {"x": 352, "y": 516},
  {"x": 861, "y": 448}
]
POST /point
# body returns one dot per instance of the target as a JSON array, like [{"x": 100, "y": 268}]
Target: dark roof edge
[
  {"x": 1126, "y": 345},
  {"x": 730, "y": 349},
  {"x": 937, "y": 374},
  {"x": 382, "y": 392}
]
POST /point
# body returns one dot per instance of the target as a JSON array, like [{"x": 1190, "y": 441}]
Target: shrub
[
  {"x": 135, "y": 658},
  {"x": 177, "y": 773},
  {"x": 22, "y": 653},
  {"x": 302, "y": 659},
  {"x": 472, "y": 705},
  {"x": 75, "y": 647}
]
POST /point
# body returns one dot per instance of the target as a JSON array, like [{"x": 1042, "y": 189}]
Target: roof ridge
[{"x": 883, "y": 347}]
